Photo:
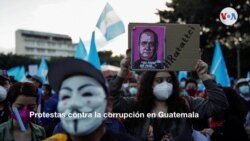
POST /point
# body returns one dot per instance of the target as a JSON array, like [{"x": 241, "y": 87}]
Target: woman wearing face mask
[
  {"x": 132, "y": 88},
  {"x": 23, "y": 97},
  {"x": 158, "y": 92},
  {"x": 191, "y": 87}
]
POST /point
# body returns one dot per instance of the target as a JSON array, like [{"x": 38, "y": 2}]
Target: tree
[
  {"x": 106, "y": 57},
  {"x": 206, "y": 13},
  {"x": 10, "y": 60}
]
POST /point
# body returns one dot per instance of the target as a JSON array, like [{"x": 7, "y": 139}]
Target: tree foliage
[
  {"x": 206, "y": 13},
  {"x": 106, "y": 57},
  {"x": 10, "y": 60}
]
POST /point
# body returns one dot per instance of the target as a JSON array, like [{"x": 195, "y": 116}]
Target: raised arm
[
  {"x": 121, "y": 104},
  {"x": 217, "y": 100}
]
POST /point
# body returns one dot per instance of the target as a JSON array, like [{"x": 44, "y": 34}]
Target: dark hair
[
  {"x": 48, "y": 87},
  {"x": 12, "y": 80},
  {"x": 145, "y": 102},
  {"x": 133, "y": 80},
  {"x": 191, "y": 81},
  {"x": 37, "y": 79},
  {"x": 3, "y": 82},
  {"x": 145, "y": 96},
  {"x": 128, "y": 50},
  {"x": 156, "y": 42},
  {"x": 183, "y": 79},
  {"x": 21, "y": 88}
]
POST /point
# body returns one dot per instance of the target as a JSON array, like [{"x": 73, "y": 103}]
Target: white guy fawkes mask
[
  {"x": 3, "y": 93},
  {"x": 80, "y": 94}
]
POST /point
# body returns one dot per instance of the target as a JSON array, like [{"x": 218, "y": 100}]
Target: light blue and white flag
[
  {"x": 14, "y": 71},
  {"x": 248, "y": 75},
  {"x": 32, "y": 69},
  {"x": 80, "y": 52},
  {"x": 218, "y": 67},
  {"x": 43, "y": 70},
  {"x": 182, "y": 74},
  {"x": 109, "y": 23},
  {"x": 21, "y": 75},
  {"x": 93, "y": 54},
  {"x": 18, "y": 73}
]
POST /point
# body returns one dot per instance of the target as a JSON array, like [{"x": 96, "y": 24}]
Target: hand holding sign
[
  {"x": 202, "y": 69},
  {"x": 124, "y": 65}
]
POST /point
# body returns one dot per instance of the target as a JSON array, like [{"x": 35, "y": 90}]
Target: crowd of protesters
[{"x": 75, "y": 86}]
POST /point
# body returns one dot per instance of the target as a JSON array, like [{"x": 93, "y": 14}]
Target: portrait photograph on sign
[{"x": 147, "y": 47}]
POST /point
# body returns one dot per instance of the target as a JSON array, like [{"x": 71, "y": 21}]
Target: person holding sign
[
  {"x": 148, "y": 47},
  {"x": 158, "y": 97},
  {"x": 22, "y": 99}
]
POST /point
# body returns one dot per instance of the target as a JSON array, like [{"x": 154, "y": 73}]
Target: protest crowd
[
  {"x": 155, "y": 96},
  {"x": 222, "y": 112}
]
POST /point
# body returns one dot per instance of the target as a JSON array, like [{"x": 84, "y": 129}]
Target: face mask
[
  {"x": 24, "y": 114},
  {"x": 163, "y": 90},
  {"x": 182, "y": 84},
  {"x": 81, "y": 94},
  {"x": 191, "y": 92},
  {"x": 3, "y": 93},
  {"x": 132, "y": 90},
  {"x": 125, "y": 85},
  {"x": 244, "y": 89}
]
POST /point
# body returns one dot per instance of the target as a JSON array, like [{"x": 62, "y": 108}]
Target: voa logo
[{"x": 228, "y": 16}]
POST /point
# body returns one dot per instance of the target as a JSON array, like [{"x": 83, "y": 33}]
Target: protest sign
[
  {"x": 164, "y": 46},
  {"x": 148, "y": 47}
]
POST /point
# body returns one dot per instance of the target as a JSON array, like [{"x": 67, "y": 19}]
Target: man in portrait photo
[{"x": 148, "y": 47}]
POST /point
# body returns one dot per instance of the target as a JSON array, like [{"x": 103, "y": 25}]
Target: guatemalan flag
[
  {"x": 43, "y": 70},
  {"x": 93, "y": 57},
  {"x": 218, "y": 67},
  {"x": 109, "y": 23},
  {"x": 80, "y": 52}
]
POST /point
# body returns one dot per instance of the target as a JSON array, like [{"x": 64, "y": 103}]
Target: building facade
[{"x": 37, "y": 44}]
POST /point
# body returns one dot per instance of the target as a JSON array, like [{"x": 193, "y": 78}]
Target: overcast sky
[{"x": 76, "y": 18}]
